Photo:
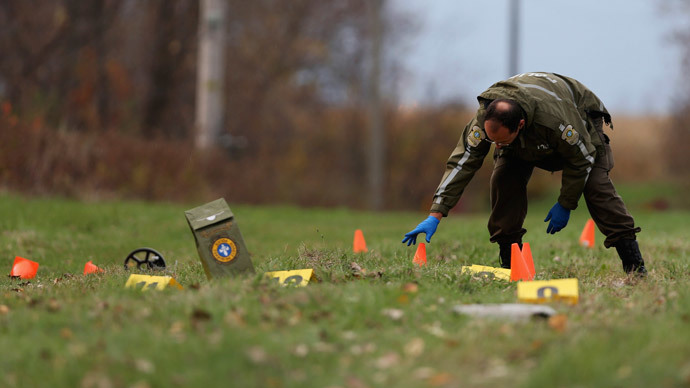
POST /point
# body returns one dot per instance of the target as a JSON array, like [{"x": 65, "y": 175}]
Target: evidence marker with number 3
[
  {"x": 218, "y": 240},
  {"x": 489, "y": 273},
  {"x": 542, "y": 291}
]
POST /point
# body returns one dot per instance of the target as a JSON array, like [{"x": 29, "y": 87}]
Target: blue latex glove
[
  {"x": 559, "y": 217},
  {"x": 427, "y": 226}
]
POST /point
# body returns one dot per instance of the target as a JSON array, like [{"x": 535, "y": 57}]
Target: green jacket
[{"x": 558, "y": 135}]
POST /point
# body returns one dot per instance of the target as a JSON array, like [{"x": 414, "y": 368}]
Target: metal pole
[
  {"x": 513, "y": 36},
  {"x": 375, "y": 118},
  {"x": 210, "y": 73}
]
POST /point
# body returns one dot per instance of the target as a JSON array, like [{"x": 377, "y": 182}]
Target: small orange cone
[
  {"x": 91, "y": 268},
  {"x": 359, "y": 245},
  {"x": 24, "y": 268},
  {"x": 587, "y": 236},
  {"x": 527, "y": 255},
  {"x": 420, "y": 255},
  {"x": 518, "y": 267}
]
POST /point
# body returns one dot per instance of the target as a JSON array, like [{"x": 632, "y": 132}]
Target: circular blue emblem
[{"x": 224, "y": 250}]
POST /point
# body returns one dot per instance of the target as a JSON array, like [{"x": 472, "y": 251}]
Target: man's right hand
[{"x": 427, "y": 226}]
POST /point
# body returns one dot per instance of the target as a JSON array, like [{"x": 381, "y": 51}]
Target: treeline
[{"x": 98, "y": 100}]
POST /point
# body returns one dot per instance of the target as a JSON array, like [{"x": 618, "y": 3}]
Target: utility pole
[
  {"x": 210, "y": 113},
  {"x": 513, "y": 36},
  {"x": 376, "y": 154}
]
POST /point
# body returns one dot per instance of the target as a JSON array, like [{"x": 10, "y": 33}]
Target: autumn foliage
[{"x": 97, "y": 99}]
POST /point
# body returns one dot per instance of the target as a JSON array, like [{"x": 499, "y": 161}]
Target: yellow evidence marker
[
  {"x": 487, "y": 272},
  {"x": 297, "y": 277},
  {"x": 146, "y": 282},
  {"x": 565, "y": 290}
]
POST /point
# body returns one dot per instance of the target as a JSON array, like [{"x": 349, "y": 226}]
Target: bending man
[{"x": 548, "y": 121}]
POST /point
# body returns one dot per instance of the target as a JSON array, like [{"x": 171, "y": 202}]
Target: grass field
[{"x": 391, "y": 324}]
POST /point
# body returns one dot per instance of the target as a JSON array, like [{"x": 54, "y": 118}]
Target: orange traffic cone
[
  {"x": 359, "y": 245},
  {"x": 527, "y": 255},
  {"x": 24, "y": 268},
  {"x": 587, "y": 236},
  {"x": 91, "y": 268},
  {"x": 420, "y": 255},
  {"x": 518, "y": 267}
]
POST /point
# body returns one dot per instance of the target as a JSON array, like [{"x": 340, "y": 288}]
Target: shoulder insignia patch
[
  {"x": 476, "y": 136},
  {"x": 570, "y": 135}
]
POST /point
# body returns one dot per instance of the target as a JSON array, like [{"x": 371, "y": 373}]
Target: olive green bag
[{"x": 218, "y": 240}]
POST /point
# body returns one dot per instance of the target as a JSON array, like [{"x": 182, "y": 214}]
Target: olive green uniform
[{"x": 563, "y": 132}]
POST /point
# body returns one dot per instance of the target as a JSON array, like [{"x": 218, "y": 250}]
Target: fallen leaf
[
  {"x": 95, "y": 379},
  {"x": 257, "y": 355},
  {"x": 388, "y": 360},
  {"x": 4, "y": 309},
  {"x": 411, "y": 288},
  {"x": 301, "y": 350},
  {"x": 393, "y": 314},
  {"x": 66, "y": 333},
  {"x": 357, "y": 271},
  {"x": 415, "y": 347},
  {"x": 53, "y": 305},
  {"x": 145, "y": 366},
  {"x": 440, "y": 379},
  {"x": 537, "y": 344},
  {"x": 235, "y": 318},
  {"x": 423, "y": 373},
  {"x": 354, "y": 382},
  {"x": 558, "y": 322}
]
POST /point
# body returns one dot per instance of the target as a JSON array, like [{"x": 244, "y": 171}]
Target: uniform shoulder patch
[
  {"x": 475, "y": 136},
  {"x": 570, "y": 135}
]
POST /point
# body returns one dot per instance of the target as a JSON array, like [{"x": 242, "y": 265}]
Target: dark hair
[{"x": 510, "y": 118}]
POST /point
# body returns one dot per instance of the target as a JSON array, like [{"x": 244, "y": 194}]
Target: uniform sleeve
[
  {"x": 462, "y": 164},
  {"x": 578, "y": 153}
]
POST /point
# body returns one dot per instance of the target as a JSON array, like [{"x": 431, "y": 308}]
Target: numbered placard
[
  {"x": 297, "y": 277},
  {"x": 489, "y": 273},
  {"x": 145, "y": 282},
  {"x": 565, "y": 290}
]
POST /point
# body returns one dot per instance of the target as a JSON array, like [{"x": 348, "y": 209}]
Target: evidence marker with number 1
[{"x": 146, "y": 282}]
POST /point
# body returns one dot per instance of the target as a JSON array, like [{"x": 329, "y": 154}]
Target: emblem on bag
[{"x": 224, "y": 250}]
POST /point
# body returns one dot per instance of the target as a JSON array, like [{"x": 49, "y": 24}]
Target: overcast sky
[{"x": 621, "y": 49}]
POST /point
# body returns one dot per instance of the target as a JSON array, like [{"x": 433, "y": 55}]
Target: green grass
[{"x": 63, "y": 329}]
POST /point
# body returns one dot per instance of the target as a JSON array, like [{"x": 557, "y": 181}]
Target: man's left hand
[{"x": 559, "y": 217}]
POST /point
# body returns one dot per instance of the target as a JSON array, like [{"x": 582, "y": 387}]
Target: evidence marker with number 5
[{"x": 218, "y": 240}]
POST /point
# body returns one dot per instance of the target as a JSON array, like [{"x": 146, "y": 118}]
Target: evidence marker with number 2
[
  {"x": 218, "y": 240},
  {"x": 296, "y": 277}
]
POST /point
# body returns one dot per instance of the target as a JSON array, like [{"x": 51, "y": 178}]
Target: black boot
[
  {"x": 630, "y": 255},
  {"x": 505, "y": 253}
]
